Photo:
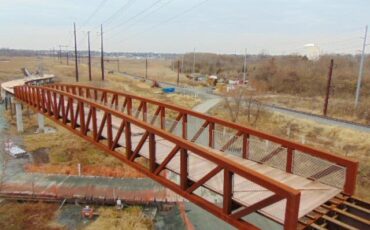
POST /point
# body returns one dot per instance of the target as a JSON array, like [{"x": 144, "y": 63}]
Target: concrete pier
[
  {"x": 41, "y": 122},
  {"x": 19, "y": 117}
]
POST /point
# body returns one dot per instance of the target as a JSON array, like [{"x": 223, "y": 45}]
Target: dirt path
[{"x": 205, "y": 106}]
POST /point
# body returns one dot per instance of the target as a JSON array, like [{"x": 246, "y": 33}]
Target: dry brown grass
[
  {"x": 131, "y": 218},
  {"x": 160, "y": 70},
  {"x": 20, "y": 216},
  {"x": 66, "y": 150},
  {"x": 338, "y": 108},
  {"x": 297, "y": 78}
]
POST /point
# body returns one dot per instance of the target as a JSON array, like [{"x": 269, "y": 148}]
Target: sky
[{"x": 179, "y": 26}]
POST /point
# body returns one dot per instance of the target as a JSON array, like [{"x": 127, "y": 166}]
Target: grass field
[
  {"x": 131, "y": 218},
  {"x": 19, "y": 216}
]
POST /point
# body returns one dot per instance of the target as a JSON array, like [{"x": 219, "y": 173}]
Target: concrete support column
[
  {"x": 41, "y": 122},
  {"x": 19, "y": 117}
]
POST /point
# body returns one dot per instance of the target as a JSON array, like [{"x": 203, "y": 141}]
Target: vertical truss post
[
  {"x": 61, "y": 99},
  {"x": 95, "y": 94},
  {"x": 48, "y": 102},
  {"x": 291, "y": 212},
  {"x": 228, "y": 191},
  {"x": 184, "y": 125},
  {"x": 163, "y": 117},
  {"x": 94, "y": 123},
  {"x": 33, "y": 91},
  {"x": 43, "y": 94},
  {"x": 350, "y": 181},
  {"x": 128, "y": 139},
  {"x": 152, "y": 150},
  {"x": 55, "y": 109},
  {"x": 82, "y": 117},
  {"x": 129, "y": 105},
  {"x": 38, "y": 100},
  {"x": 289, "y": 163},
  {"x": 109, "y": 130},
  {"x": 145, "y": 111},
  {"x": 32, "y": 95},
  {"x": 26, "y": 97},
  {"x": 116, "y": 100},
  {"x": 184, "y": 169},
  {"x": 211, "y": 137},
  {"x": 245, "y": 146},
  {"x": 71, "y": 112}
]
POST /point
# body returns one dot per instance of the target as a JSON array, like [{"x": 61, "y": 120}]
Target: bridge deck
[
  {"x": 313, "y": 193},
  {"x": 9, "y": 85}
]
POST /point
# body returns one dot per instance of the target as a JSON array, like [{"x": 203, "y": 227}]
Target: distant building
[{"x": 312, "y": 52}]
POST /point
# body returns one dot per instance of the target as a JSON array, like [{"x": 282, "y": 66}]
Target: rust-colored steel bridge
[{"x": 228, "y": 169}]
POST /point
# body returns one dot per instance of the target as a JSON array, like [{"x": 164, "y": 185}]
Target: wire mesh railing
[
  {"x": 318, "y": 169},
  {"x": 233, "y": 139}
]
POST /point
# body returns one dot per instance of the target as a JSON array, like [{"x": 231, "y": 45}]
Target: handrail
[
  {"x": 350, "y": 164},
  {"x": 41, "y": 99}
]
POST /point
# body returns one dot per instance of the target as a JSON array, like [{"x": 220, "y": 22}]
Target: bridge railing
[
  {"x": 229, "y": 137},
  {"x": 111, "y": 130}
]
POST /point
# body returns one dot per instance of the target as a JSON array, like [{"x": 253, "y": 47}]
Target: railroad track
[{"x": 341, "y": 212}]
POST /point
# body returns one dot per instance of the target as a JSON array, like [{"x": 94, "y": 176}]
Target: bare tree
[
  {"x": 240, "y": 102},
  {"x": 233, "y": 102}
]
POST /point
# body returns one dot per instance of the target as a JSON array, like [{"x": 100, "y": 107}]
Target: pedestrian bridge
[{"x": 228, "y": 169}]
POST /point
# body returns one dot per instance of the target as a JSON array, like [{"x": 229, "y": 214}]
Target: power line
[
  {"x": 127, "y": 5},
  {"x": 148, "y": 14},
  {"x": 170, "y": 18},
  {"x": 135, "y": 16},
  {"x": 101, "y": 4}
]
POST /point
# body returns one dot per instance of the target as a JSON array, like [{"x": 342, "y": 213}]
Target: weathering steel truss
[{"x": 123, "y": 125}]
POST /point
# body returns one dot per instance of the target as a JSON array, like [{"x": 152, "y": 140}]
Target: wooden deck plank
[{"x": 313, "y": 193}]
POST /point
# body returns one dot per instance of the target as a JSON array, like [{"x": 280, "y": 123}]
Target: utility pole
[
  {"x": 53, "y": 54},
  {"x": 118, "y": 65},
  {"x": 245, "y": 67},
  {"x": 328, "y": 87},
  {"x": 76, "y": 61},
  {"x": 89, "y": 53},
  {"x": 194, "y": 61},
  {"x": 67, "y": 57},
  {"x": 102, "y": 52},
  {"x": 178, "y": 72},
  {"x": 146, "y": 68},
  {"x": 361, "y": 71},
  {"x": 60, "y": 54},
  {"x": 182, "y": 63}
]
